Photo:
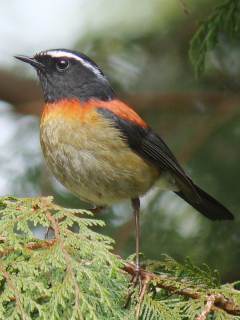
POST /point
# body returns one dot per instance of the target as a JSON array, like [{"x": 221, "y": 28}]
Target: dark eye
[{"x": 62, "y": 65}]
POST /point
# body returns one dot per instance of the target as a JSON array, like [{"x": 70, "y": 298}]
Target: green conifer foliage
[
  {"x": 224, "y": 20},
  {"x": 74, "y": 275}
]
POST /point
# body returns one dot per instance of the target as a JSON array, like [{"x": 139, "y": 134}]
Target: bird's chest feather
[{"x": 88, "y": 155}]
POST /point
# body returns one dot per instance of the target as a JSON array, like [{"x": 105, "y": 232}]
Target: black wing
[{"x": 152, "y": 148}]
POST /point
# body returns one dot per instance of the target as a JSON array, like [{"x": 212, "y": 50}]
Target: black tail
[{"x": 208, "y": 206}]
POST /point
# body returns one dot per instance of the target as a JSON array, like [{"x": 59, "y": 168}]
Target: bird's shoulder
[
  {"x": 114, "y": 109},
  {"x": 138, "y": 133}
]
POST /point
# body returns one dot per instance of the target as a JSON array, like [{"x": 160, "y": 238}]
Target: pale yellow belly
[{"x": 93, "y": 162}]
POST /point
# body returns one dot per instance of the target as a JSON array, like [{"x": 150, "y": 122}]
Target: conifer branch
[
  {"x": 56, "y": 228},
  {"x": 16, "y": 296},
  {"x": 40, "y": 244},
  {"x": 211, "y": 300},
  {"x": 224, "y": 20},
  {"x": 163, "y": 281},
  {"x": 166, "y": 282},
  {"x": 67, "y": 276}
]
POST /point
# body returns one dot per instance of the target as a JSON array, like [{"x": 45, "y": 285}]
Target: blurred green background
[{"x": 143, "y": 48}]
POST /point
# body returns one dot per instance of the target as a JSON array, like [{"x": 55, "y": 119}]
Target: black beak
[{"x": 32, "y": 61}]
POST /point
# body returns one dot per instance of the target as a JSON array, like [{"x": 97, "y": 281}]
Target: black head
[{"x": 69, "y": 74}]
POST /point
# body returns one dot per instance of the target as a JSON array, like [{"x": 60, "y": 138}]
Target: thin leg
[
  {"x": 137, "y": 276},
  {"x": 136, "y": 212}
]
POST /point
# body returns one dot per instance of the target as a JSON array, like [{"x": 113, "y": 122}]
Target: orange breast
[{"x": 82, "y": 111}]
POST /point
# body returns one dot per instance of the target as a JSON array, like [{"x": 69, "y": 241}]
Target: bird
[{"x": 98, "y": 147}]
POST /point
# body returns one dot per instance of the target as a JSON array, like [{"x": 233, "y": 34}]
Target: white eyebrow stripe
[{"x": 62, "y": 54}]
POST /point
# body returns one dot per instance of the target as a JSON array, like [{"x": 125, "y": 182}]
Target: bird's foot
[
  {"x": 135, "y": 281},
  {"x": 141, "y": 280},
  {"x": 144, "y": 287}
]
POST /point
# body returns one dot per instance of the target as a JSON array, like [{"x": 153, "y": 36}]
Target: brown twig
[
  {"x": 209, "y": 306},
  {"x": 45, "y": 244},
  {"x": 162, "y": 281}
]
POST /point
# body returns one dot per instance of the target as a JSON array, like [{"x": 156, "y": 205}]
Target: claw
[
  {"x": 143, "y": 291},
  {"x": 138, "y": 278}
]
